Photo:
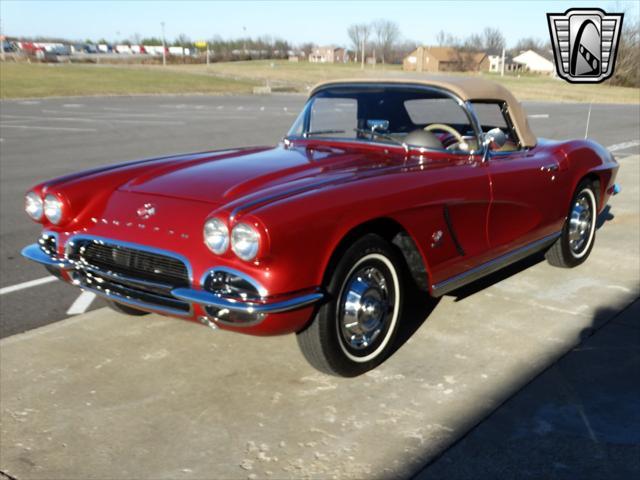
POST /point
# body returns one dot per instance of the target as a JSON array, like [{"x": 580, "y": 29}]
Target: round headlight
[
  {"x": 53, "y": 209},
  {"x": 245, "y": 241},
  {"x": 216, "y": 235},
  {"x": 33, "y": 205}
]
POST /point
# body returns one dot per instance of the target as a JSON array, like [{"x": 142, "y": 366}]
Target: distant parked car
[
  {"x": 379, "y": 186},
  {"x": 105, "y": 48},
  {"x": 123, "y": 49},
  {"x": 8, "y": 46}
]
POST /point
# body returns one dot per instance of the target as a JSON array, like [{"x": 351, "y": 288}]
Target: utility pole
[
  {"x": 244, "y": 41},
  {"x": 164, "y": 49},
  {"x": 208, "y": 54},
  {"x": 362, "y": 54},
  {"x": 502, "y": 64}
]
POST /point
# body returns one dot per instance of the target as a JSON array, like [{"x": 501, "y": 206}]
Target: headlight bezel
[
  {"x": 53, "y": 208},
  {"x": 220, "y": 226},
  {"x": 34, "y": 199},
  {"x": 245, "y": 233}
]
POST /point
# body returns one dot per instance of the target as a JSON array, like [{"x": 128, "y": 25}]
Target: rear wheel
[
  {"x": 579, "y": 231},
  {"x": 127, "y": 310},
  {"x": 354, "y": 331}
]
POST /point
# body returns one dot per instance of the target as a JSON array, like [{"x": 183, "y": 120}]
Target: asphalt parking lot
[{"x": 100, "y": 395}]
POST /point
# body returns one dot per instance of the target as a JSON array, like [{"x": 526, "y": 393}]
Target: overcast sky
[{"x": 296, "y": 21}]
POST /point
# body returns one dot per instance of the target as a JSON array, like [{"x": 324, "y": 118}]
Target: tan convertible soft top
[{"x": 467, "y": 88}]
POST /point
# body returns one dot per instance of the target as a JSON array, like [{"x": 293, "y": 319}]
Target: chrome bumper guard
[
  {"x": 34, "y": 252},
  {"x": 201, "y": 297},
  {"x": 207, "y": 299}
]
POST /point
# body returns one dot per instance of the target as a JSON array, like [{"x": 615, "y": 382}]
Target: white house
[
  {"x": 495, "y": 64},
  {"x": 534, "y": 62}
]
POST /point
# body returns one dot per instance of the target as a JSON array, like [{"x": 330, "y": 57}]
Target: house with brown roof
[
  {"x": 445, "y": 59},
  {"x": 328, "y": 55}
]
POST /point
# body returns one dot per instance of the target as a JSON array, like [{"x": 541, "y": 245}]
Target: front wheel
[
  {"x": 579, "y": 231},
  {"x": 354, "y": 331}
]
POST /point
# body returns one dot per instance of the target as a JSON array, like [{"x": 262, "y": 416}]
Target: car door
[
  {"x": 455, "y": 190},
  {"x": 526, "y": 187}
]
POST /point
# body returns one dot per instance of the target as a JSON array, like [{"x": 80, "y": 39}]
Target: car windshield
[{"x": 409, "y": 116}]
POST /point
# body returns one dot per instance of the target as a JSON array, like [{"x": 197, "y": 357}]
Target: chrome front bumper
[
  {"x": 192, "y": 296},
  {"x": 34, "y": 253},
  {"x": 207, "y": 299}
]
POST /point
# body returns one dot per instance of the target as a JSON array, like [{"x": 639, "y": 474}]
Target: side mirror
[{"x": 494, "y": 139}]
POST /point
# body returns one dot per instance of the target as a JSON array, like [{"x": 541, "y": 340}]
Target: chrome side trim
[
  {"x": 34, "y": 253},
  {"x": 453, "y": 283},
  {"x": 207, "y": 299}
]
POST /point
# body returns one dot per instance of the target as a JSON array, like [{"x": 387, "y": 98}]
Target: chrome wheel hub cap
[
  {"x": 580, "y": 223},
  {"x": 365, "y": 307}
]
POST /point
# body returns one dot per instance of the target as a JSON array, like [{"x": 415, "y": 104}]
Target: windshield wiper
[
  {"x": 321, "y": 132},
  {"x": 373, "y": 133}
]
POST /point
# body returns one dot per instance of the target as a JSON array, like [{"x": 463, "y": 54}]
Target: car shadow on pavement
[
  {"x": 577, "y": 417},
  {"x": 604, "y": 217},
  {"x": 417, "y": 308}
]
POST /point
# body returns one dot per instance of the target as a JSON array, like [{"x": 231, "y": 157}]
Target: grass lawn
[
  {"x": 38, "y": 80},
  {"x": 303, "y": 75},
  {"x": 21, "y": 80}
]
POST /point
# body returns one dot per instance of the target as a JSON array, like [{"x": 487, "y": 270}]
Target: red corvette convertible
[{"x": 378, "y": 184}]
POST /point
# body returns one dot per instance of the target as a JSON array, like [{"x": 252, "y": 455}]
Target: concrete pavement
[{"x": 106, "y": 396}]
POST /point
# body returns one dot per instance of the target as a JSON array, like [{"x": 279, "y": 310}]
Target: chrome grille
[
  {"x": 132, "y": 275},
  {"x": 131, "y": 262}
]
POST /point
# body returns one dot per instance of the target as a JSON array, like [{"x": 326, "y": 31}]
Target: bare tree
[
  {"x": 182, "y": 41},
  {"x": 444, "y": 39},
  {"x": 627, "y": 67},
  {"x": 359, "y": 35},
  {"x": 307, "y": 48},
  {"x": 473, "y": 43},
  {"x": 492, "y": 40},
  {"x": 387, "y": 35},
  {"x": 530, "y": 43}
]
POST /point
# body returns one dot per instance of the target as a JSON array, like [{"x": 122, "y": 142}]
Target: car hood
[{"x": 220, "y": 178}]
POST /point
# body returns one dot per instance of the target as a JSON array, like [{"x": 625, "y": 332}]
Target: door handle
[{"x": 552, "y": 167}]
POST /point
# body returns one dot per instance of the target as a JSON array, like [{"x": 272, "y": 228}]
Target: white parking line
[
  {"x": 539, "y": 115},
  {"x": 57, "y": 119},
  {"x": 82, "y": 303},
  {"x": 29, "y": 284},
  {"x": 623, "y": 145},
  {"x": 33, "y": 127}
]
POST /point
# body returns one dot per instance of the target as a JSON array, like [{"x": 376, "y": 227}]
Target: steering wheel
[{"x": 445, "y": 128}]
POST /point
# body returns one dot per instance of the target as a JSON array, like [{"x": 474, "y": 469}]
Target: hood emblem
[{"x": 146, "y": 211}]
